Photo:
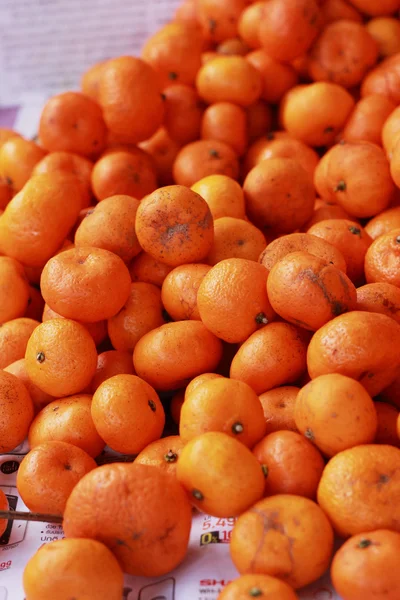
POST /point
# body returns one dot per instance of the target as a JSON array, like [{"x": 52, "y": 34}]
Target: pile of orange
[{"x": 200, "y": 268}]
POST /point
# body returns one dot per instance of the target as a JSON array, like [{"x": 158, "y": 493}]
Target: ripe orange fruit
[
  {"x": 163, "y": 150},
  {"x": 387, "y": 424},
  {"x": 277, "y": 77},
  {"x": 335, "y": 424},
  {"x": 110, "y": 363},
  {"x": 225, "y": 305},
  {"x": 151, "y": 509},
  {"x": 183, "y": 113},
  {"x": 48, "y": 474},
  {"x": 381, "y": 259},
  {"x": 292, "y": 464},
  {"x": 16, "y": 410},
  {"x": 174, "y": 225},
  {"x": 381, "y": 298},
  {"x": 163, "y": 454},
  {"x": 386, "y": 33},
  {"x": 233, "y": 480},
  {"x": 14, "y": 289},
  {"x": 223, "y": 195},
  {"x": 142, "y": 312},
  {"x": 101, "y": 274},
  {"x": 223, "y": 405},
  {"x": 18, "y": 158},
  {"x": 367, "y": 119},
  {"x": 179, "y": 291},
  {"x": 146, "y": 268},
  {"x": 226, "y": 122},
  {"x": 176, "y": 404},
  {"x": 278, "y": 406},
  {"x": 371, "y": 503},
  {"x": 275, "y": 355},
  {"x": 284, "y": 536},
  {"x": 386, "y": 221},
  {"x": 235, "y": 238},
  {"x": 199, "y": 380},
  {"x": 127, "y": 413},
  {"x": 97, "y": 330},
  {"x": 204, "y": 158},
  {"x": 250, "y": 586},
  {"x": 75, "y": 567},
  {"x": 61, "y": 357},
  {"x": 39, "y": 398},
  {"x": 67, "y": 420},
  {"x": 372, "y": 554},
  {"x": 171, "y": 355},
  {"x": 14, "y": 336}
]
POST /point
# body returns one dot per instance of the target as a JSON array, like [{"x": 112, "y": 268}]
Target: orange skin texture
[
  {"x": 183, "y": 113},
  {"x": 392, "y": 392},
  {"x": 220, "y": 475},
  {"x": 149, "y": 270},
  {"x": 359, "y": 345},
  {"x": 61, "y": 357},
  {"x": 110, "y": 363},
  {"x": 223, "y": 195},
  {"x": 72, "y": 122},
  {"x": 223, "y": 405},
  {"x": 163, "y": 151},
  {"x": 350, "y": 239},
  {"x": 171, "y": 355},
  {"x": 395, "y": 162},
  {"x": 127, "y": 413},
  {"x": 162, "y": 454},
  {"x": 175, "y": 406},
  {"x": 49, "y": 205},
  {"x": 224, "y": 304},
  {"x": 367, "y": 119},
  {"x": 388, "y": 416},
  {"x": 130, "y": 96},
  {"x": 381, "y": 298},
  {"x": 73, "y": 565},
  {"x": 384, "y": 222},
  {"x": 316, "y": 113},
  {"x": 6, "y": 134},
  {"x": 278, "y": 78},
  {"x": 49, "y": 472},
  {"x": 235, "y": 238},
  {"x": 14, "y": 289},
  {"x": 273, "y": 356},
  {"x": 343, "y": 54},
  {"x": 111, "y": 226},
  {"x": 255, "y": 152},
  {"x": 142, "y": 312},
  {"x": 174, "y": 52},
  {"x": 284, "y": 536},
  {"x": 356, "y": 176},
  {"x": 336, "y": 10},
  {"x": 16, "y": 410},
  {"x": 374, "y": 555},
  {"x": 294, "y": 465},
  {"x": 259, "y": 119},
  {"x": 391, "y": 131},
  {"x": 335, "y": 413},
  {"x": 386, "y": 33},
  {"x": 301, "y": 242},
  {"x": 154, "y": 506},
  {"x": 359, "y": 487},
  {"x": 384, "y": 79},
  {"x": 226, "y": 122},
  {"x": 382, "y": 257},
  {"x": 203, "y": 158},
  {"x": 289, "y": 27},
  {"x": 97, "y": 330},
  {"x": 121, "y": 172},
  {"x": 199, "y": 380},
  {"x": 35, "y": 304},
  {"x": 278, "y": 406},
  {"x": 90, "y": 80},
  {"x": 279, "y": 195},
  {"x": 299, "y": 281},
  {"x": 14, "y": 336},
  {"x": 233, "y": 46},
  {"x": 282, "y": 147},
  {"x": 249, "y": 23},
  {"x": 39, "y": 398},
  {"x": 18, "y": 158},
  {"x": 246, "y": 585},
  {"x": 324, "y": 210},
  {"x": 6, "y": 193},
  {"x": 175, "y": 226},
  {"x": 87, "y": 284},
  {"x": 219, "y": 20},
  {"x": 386, "y": 7},
  {"x": 229, "y": 79},
  {"x": 67, "y": 420},
  {"x": 3, "y": 506},
  {"x": 179, "y": 291},
  {"x": 186, "y": 13}
]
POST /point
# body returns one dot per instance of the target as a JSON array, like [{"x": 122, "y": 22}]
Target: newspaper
[{"x": 45, "y": 45}]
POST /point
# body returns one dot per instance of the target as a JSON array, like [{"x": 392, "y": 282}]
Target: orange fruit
[
  {"x": 381, "y": 298},
  {"x": 179, "y": 291},
  {"x": 199, "y": 380},
  {"x": 387, "y": 424},
  {"x": 18, "y": 158},
  {"x": 204, "y": 158},
  {"x": 163, "y": 454},
  {"x": 277, "y": 77},
  {"x": 97, "y": 330},
  {"x": 35, "y": 306},
  {"x": 61, "y": 357},
  {"x": 367, "y": 119},
  {"x": 127, "y": 413},
  {"x": 384, "y": 222},
  {"x": 110, "y": 363},
  {"x": 223, "y": 195},
  {"x": 278, "y": 406},
  {"x": 16, "y": 410},
  {"x": 149, "y": 270},
  {"x": 14, "y": 336},
  {"x": 235, "y": 238},
  {"x": 233, "y": 480},
  {"x": 386, "y": 33},
  {"x": 163, "y": 150},
  {"x": 183, "y": 113},
  {"x": 371, "y": 503},
  {"x": 250, "y": 586},
  {"x": 49, "y": 472},
  {"x": 382, "y": 257},
  {"x": 67, "y": 420},
  {"x": 176, "y": 404},
  {"x": 39, "y": 398},
  {"x": 151, "y": 509},
  {"x": 226, "y": 122},
  {"x": 293, "y": 465},
  {"x": 284, "y": 536},
  {"x": 75, "y": 567},
  {"x": 14, "y": 289}
]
